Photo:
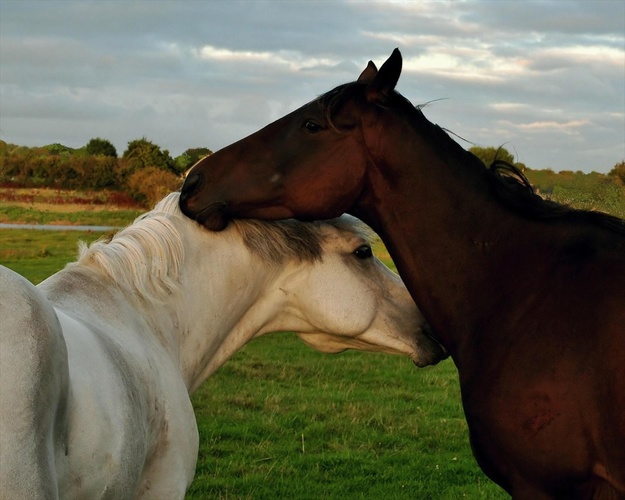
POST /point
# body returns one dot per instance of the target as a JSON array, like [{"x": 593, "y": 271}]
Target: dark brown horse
[{"x": 528, "y": 296}]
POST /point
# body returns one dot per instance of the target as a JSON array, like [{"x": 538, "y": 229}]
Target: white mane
[{"x": 145, "y": 258}]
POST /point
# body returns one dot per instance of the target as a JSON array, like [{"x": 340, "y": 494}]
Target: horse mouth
[
  {"x": 438, "y": 350},
  {"x": 213, "y": 217}
]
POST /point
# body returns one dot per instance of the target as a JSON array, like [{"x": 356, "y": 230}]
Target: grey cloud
[{"x": 75, "y": 70}]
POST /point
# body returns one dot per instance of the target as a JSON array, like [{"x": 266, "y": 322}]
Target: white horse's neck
[{"x": 227, "y": 303}]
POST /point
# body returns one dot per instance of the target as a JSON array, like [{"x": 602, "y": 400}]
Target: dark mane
[
  {"x": 331, "y": 101},
  {"x": 514, "y": 189},
  {"x": 509, "y": 185},
  {"x": 278, "y": 241}
]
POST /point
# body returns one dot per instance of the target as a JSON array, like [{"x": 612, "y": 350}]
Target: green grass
[
  {"x": 38, "y": 254},
  {"x": 25, "y": 215},
  {"x": 280, "y": 420}
]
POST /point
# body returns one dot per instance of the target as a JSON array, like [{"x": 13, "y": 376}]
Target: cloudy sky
[{"x": 545, "y": 79}]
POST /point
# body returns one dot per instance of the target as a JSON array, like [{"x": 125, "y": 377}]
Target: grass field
[
  {"x": 280, "y": 420},
  {"x": 65, "y": 207}
]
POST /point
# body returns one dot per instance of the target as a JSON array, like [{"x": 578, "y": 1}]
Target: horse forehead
[{"x": 337, "y": 238}]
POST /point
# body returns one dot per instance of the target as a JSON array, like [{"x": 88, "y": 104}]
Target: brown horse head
[{"x": 309, "y": 164}]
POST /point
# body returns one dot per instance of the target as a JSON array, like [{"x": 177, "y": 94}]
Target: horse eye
[
  {"x": 363, "y": 252},
  {"x": 312, "y": 126}
]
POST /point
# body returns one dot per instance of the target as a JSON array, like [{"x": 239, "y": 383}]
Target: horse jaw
[
  {"x": 213, "y": 217},
  {"x": 421, "y": 348}
]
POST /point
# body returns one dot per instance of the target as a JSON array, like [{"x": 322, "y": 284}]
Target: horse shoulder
[
  {"x": 574, "y": 332},
  {"x": 130, "y": 411},
  {"x": 33, "y": 389}
]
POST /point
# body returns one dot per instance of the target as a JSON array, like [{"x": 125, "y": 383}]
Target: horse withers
[
  {"x": 527, "y": 295},
  {"x": 97, "y": 362}
]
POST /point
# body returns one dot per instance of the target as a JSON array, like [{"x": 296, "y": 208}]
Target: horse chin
[
  {"x": 213, "y": 217},
  {"x": 436, "y": 350}
]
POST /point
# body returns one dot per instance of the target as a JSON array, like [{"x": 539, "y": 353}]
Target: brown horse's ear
[
  {"x": 385, "y": 80},
  {"x": 369, "y": 73}
]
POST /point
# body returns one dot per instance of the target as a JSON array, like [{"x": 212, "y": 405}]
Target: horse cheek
[{"x": 328, "y": 195}]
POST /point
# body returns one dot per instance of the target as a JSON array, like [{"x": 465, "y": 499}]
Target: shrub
[
  {"x": 100, "y": 147},
  {"x": 151, "y": 184},
  {"x": 618, "y": 173},
  {"x": 142, "y": 153}
]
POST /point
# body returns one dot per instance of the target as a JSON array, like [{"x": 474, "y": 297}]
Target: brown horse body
[{"x": 528, "y": 297}]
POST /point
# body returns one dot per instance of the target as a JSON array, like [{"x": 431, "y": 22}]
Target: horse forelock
[
  {"x": 332, "y": 101},
  {"x": 280, "y": 241}
]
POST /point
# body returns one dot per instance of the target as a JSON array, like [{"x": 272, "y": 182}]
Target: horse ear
[
  {"x": 369, "y": 73},
  {"x": 385, "y": 80}
]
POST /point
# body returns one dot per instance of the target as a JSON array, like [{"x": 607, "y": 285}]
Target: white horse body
[{"x": 98, "y": 361}]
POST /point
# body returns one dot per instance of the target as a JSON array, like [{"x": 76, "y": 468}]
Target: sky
[{"x": 543, "y": 79}]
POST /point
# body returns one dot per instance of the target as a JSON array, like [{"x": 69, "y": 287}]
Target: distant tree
[
  {"x": 189, "y": 158},
  {"x": 100, "y": 147},
  {"x": 142, "y": 153},
  {"x": 618, "y": 173},
  {"x": 490, "y": 154},
  {"x": 57, "y": 149},
  {"x": 93, "y": 172}
]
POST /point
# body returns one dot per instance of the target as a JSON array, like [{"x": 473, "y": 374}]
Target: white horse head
[{"x": 142, "y": 320}]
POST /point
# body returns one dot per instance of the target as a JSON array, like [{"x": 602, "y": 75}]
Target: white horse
[{"x": 98, "y": 361}]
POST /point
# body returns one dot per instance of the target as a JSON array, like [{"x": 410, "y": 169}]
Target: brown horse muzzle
[{"x": 211, "y": 215}]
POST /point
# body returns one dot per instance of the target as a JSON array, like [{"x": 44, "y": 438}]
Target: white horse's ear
[
  {"x": 385, "y": 80},
  {"x": 368, "y": 73}
]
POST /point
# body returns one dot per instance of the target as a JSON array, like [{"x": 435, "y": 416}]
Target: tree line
[{"x": 145, "y": 170}]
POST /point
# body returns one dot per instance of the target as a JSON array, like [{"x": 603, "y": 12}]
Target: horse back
[{"x": 33, "y": 390}]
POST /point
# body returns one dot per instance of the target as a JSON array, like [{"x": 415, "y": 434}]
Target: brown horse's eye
[
  {"x": 363, "y": 252},
  {"x": 312, "y": 126}
]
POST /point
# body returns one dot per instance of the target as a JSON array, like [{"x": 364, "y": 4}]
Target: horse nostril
[{"x": 191, "y": 185}]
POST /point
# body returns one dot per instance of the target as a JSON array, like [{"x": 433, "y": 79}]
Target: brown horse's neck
[{"x": 462, "y": 258}]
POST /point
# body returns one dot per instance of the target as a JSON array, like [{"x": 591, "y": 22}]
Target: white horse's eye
[{"x": 363, "y": 252}]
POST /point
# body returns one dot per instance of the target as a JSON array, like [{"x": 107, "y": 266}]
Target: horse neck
[
  {"x": 461, "y": 240},
  {"x": 226, "y": 307}
]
